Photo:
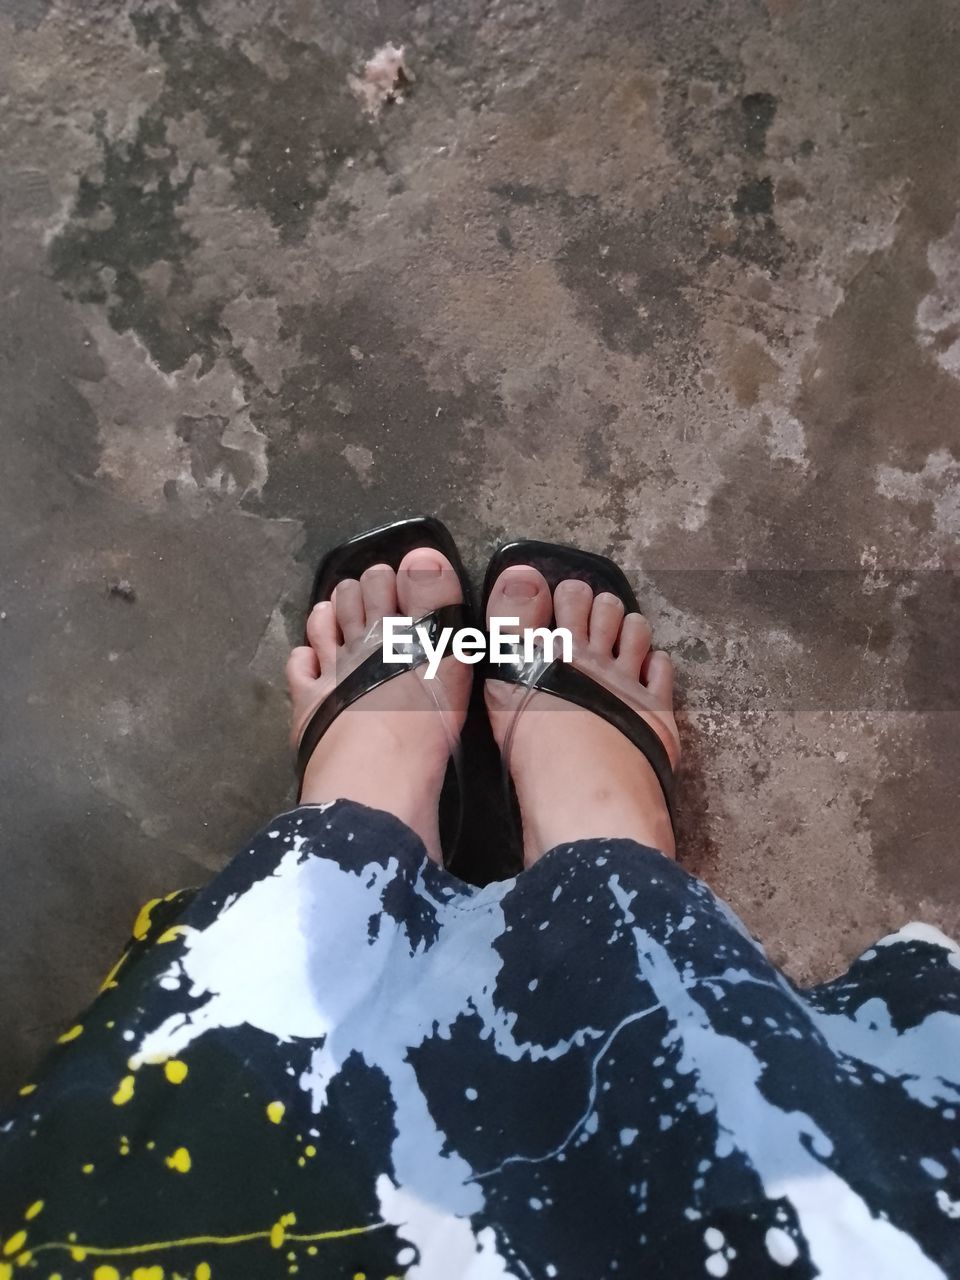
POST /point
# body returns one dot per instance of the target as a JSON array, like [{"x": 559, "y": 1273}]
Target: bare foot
[
  {"x": 389, "y": 750},
  {"x": 576, "y": 776}
]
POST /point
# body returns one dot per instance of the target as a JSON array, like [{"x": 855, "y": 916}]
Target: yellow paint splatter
[
  {"x": 15, "y": 1243},
  {"x": 180, "y": 1160},
  {"x": 26, "y": 1090},
  {"x": 35, "y": 1208},
  {"x": 275, "y": 1111},
  {"x": 278, "y": 1232},
  {"x": 312, "y": 1250},
  {"x": 109, "y": 981},
  {"x": 124, "y": 1146},
  {"x": 203, "y": 1271},
  {"x": 360, "y": 1275},
  {"x": 301, "y": 1161},
  {"x": 70, "y": 1035},
  {"x": 6, "y": 1271},
  {"x": 310, "y": 1149},
  {"x": 87, "y": 1168},
  {"x": 80, "y": 1251},
  {"x": 175, "y": 1071},
  {"x": 141, "y": 926},
  {"x": 106, "y": 1273},
  {"x": 170, "y": 935},
  {"x": 124, "y": 1092}
]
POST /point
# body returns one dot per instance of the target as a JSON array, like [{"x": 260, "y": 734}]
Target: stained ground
[{"x": 676, "y": 281}]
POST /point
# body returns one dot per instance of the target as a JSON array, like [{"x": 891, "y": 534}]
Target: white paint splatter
[
  {"x": 842, "y": 1234},
  {"x": 714, "y": 1239},
  {"x": 445, "y": 1243},
  {"x": 781, "y": 1247}
]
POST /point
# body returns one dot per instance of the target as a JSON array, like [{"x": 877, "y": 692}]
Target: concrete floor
[{"x": 676, "y": 281}]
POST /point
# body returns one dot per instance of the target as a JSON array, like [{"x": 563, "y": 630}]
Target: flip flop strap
[
  {"x": 572, "y": 685},
  {"x": 371, "y": 673}
]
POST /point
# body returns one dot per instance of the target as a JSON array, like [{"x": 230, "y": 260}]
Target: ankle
[
  {"x": 626, "y": 803},
  {"x": 376, "y": 768}
]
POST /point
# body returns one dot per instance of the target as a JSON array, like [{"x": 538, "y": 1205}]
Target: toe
[
  {"x": 521, "y": 592},
  {"x": 322, "y": 631},
  {"x": 378, "y": 586},
  {"x": 657, "y": 675},
  {"x": 348, "y": 602},
  {"x": 572, "y": 603},
  {"x": 635, "y": 636},
  {"x": 303, "y": 668},
  {"x": 606, "y": 616},
  {"x": 425, "y": 581}
]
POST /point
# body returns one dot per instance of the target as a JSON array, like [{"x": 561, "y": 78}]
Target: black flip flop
[
  {"x": 557, "y": 562},
  {"x": 388, "y": 545}
]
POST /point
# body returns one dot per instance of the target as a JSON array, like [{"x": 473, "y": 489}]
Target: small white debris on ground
[{"x": 385, "y": 78}]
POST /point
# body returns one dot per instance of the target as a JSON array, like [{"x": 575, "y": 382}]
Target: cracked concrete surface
[{"x": 676, "y": 282}]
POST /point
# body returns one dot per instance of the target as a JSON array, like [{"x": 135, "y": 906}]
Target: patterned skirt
[{"x": 338, "y": 1060}]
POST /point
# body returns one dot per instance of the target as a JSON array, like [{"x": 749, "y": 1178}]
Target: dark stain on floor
[{"x": 675, "y": 282}]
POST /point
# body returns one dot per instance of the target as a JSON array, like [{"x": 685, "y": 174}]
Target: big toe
[
  {"x": 521, "y": 592},
  {"x": 426, "y": 580}
]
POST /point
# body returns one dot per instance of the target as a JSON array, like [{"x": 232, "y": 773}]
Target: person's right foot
[
  {"x": 576, "y": 776},
  {"x": 389, "y": 750}
]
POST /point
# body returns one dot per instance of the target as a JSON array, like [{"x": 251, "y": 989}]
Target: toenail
[{"x": 519, "y": 588}]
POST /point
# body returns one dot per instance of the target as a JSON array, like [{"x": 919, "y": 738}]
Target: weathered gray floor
[{"x": 677, "y": 281}]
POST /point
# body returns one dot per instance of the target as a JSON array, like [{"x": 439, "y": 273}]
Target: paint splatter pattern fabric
[{"x": 338, "y": 1060}]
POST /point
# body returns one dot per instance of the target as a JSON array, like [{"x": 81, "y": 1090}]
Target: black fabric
[{"x": 337, "y": 1060}]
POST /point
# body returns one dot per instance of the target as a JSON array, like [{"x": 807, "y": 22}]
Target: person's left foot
[
  {"x": 576, "y": 776},
  {"x": 389, "y": 750}
]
